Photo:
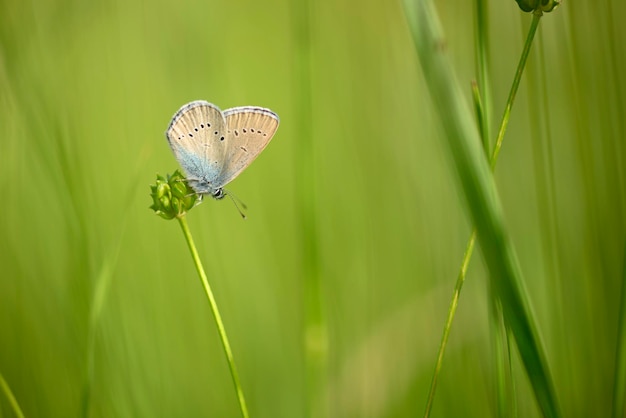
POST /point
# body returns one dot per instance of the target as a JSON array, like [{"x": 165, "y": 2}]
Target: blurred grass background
[{"x": 86, "y": 92}]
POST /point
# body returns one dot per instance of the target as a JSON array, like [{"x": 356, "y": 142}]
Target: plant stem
[
  {"x": 216, "y": 315},
  {"x": 482, "y": 70},
  {"x": 518, "y": 76},
  {"x": 470, "y": 244},
  {"x": 451, "y": 311}
]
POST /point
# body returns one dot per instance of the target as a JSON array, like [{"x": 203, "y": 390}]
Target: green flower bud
[
  {"x": 539, "y": 5},
  {"x": 172, "y": 197}
]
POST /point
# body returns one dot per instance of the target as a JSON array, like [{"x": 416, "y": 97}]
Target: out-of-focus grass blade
[
  {"x": 482, "y": 71},
  {"x": 315, "y": 329},
  {"x": 481, "y": 197},
  {"x": 6, "y": 390},
  {"x": 619, "y": 403},
  {"x": 102, "y": 283}
]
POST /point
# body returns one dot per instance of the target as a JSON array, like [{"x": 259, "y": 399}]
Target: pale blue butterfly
[{"x": 213, "y": 147}]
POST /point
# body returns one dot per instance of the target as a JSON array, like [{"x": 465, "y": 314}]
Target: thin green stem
[
  {"x": 10, "y": 397},
  {"x": 216, "y": 315},
  {"x": 480, "y": 115},
  {"x": 470, "y": 244},
  {"x": 482, "y": 70},
  {"x": 451, "y": 311},
  {"x": 499, "y": 343},
  {"x": 518, "y": 76}
]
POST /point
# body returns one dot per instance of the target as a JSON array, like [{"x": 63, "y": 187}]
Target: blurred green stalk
[
  {"x": 619, "y": 387},
  {"x": 102, "y": 284},
  {"x": 518, "y": 76},
  {"x": 474, "y": 174},
  {"x": 483, "y": 88},
  {"x": 448, "y": 325},
  {"x": 10, "y": 397},
  {"x": 483, "y": 122},
  {"x": 315, "y": 333},
  {"x": 216, "y": 315}
]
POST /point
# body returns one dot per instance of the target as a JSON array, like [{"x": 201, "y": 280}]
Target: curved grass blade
[{"x": 481, "y": 197}]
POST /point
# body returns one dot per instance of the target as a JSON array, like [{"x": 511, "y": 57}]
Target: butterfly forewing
[
  {"x": 249, "y": 130},
  {"x": 197, "y": 135}
]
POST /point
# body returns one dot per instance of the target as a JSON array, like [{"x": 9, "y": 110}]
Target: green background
[{"x": 101, "y": 311}]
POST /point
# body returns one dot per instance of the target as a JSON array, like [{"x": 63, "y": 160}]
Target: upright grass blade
[
  {"x": 479, "y": 190},
  {"x": 619, "y": 387},
  {"x": 102, "y": 284},
  {"x": 480, "y": 98},
  {"x": 315, "y": 330},
  {"x": 482, "y": 71}
]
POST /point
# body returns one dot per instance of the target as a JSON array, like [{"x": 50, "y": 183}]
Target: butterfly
[{"x": 214, "y": 147}]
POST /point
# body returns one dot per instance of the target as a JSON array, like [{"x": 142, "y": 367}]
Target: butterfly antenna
[{"x": 237, "y": 202}]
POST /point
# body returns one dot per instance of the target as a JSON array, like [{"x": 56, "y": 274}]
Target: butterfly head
[
  {"x": 218, "y": 194},
  {"x": 202, "y": 187}
]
